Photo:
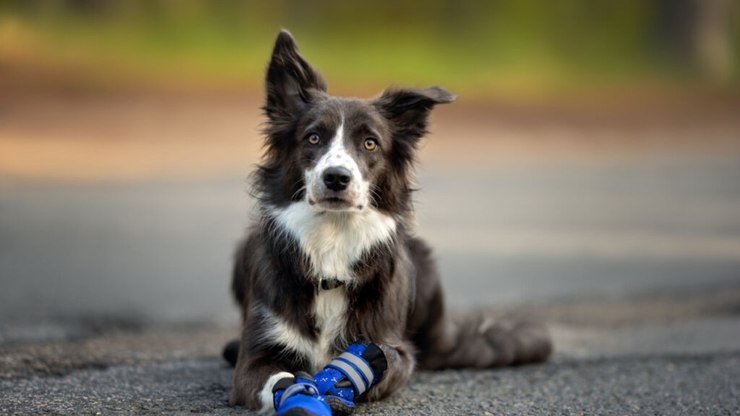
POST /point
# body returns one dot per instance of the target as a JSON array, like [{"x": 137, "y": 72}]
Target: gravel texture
[
  {"x": 660, "y": 354},
  {"x": 681, "y": 384}
]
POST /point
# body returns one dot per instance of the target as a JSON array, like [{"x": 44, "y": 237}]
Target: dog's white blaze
[
  {"x": 337, "y": 156},
  {"x": 334, "y": 241},
  {"x": 266, "y": 392}
]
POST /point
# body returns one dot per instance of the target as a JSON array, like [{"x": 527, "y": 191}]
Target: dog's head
[{"x": 338, "y": 154}]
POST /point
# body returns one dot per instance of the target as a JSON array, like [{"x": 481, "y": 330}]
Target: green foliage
[{"x": 480, "y": 47}]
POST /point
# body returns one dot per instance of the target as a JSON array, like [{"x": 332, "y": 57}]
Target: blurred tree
[
  {"x": 696, "y": 33},
  {"x": 473, "y": 46},
  {"x": 711, "y": 38}
]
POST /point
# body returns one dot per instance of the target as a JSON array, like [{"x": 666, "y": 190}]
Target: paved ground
[
  {"x": 676, "y": 354},
  {"x": 680, "y": 384}
]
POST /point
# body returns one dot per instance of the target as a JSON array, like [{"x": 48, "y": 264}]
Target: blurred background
[{"x": 593, "y": 153}]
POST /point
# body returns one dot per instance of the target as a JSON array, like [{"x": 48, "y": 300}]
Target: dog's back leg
[
  {"x": 400, "y": 366},
  {"x": 467, "y": 340},
  {"x": 480, "y": 341}
]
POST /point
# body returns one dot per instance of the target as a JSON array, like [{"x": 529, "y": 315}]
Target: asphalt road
[
  {"x": 676, "y": 354},
  {"x": 680, "y": 384}
]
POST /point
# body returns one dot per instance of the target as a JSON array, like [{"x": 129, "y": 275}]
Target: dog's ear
[
  {"x": 409, "y": 109},
  {"x": 291, "y": 81}
]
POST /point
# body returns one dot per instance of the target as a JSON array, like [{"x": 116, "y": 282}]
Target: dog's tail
[
  {"x": 484, "y": 340},
  {"x": 231, "y": 352}
]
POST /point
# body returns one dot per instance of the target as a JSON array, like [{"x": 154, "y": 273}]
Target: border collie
[{"x": 334, "y": 261}]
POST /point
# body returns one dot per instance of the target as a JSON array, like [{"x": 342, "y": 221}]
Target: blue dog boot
[
  {"x": 299, "y": 397},
  {"x": 350, "y": 375}
]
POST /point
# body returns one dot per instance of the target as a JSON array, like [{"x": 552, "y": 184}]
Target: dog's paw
[
  {"x": 513, "y": 341},
  {"x": 231, "y": 352}
]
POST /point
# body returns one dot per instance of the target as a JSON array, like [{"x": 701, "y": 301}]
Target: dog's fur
[{"x": 310, "y": 229}]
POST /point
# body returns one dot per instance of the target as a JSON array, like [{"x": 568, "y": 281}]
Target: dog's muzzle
[{"x": 337, "y": 178}]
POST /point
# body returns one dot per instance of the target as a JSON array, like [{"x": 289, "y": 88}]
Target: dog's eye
[
  {"x": 370, "y": 144},
  {"x": 313, "y": 138}
]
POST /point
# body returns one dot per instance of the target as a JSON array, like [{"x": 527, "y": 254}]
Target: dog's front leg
[
  {"x": 258, "y": 370},
  {"x": 366, "y": 371},
  {"x": 253, "y": 382},
  {"x": 400, "y": 359}
]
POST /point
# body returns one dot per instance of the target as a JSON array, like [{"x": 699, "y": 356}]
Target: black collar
[{"x": 329, "y": 284}]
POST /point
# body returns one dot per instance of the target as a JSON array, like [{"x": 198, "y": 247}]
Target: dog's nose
[{"x": 337, "y": 178}]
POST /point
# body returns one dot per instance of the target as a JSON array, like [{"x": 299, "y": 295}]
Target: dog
[{"x": 333, "y": 259}]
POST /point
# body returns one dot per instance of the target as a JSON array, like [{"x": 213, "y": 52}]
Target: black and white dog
[{"x": 334, "y": 260}]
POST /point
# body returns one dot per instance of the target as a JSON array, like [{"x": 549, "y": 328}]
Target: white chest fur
[
  {"x": 334, "y": 241},
  {"x": 330, "y": 310}
]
